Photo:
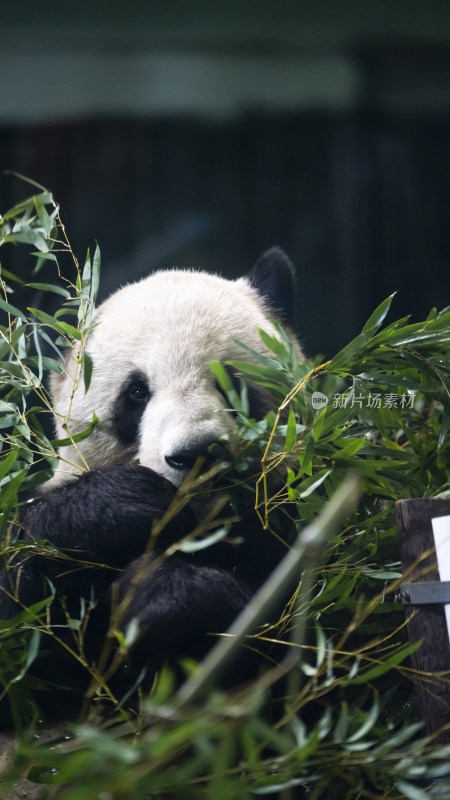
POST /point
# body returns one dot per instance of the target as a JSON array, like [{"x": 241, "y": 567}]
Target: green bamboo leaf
[
  {"x": 31, "y": 182},
  {"x": 278, "y": 787},
  {"x": 403, "y": 381},
  {"x": 38, "y": 350},
  {"x": 62, "y": 327},
  {"x": 48, "y": 287},
  {"x": 32, "y": 652},
  {"x": 244, "y": 404},
  {"x": 342, "y": 359},
  {"x": 200, "y": 544},
  {"x": 6, "y": 407},
  {"x": 11, "y": 341},
  {"x": 291, "y": 432},
  {"x": 282, "y": 429},
  {"x": 321, "y": 644},
  {"x": 375, "y": 320},
  {"x": 392, "y": 743},
  {"x": 341, "y": 727},
  {"x": 335, "y": 419},
  {"x": 258, "y": 357},
  {"x": 19, "y": 371},
  {"x": 11, "y": 484},
  {"x": 7, "y": 463},
  {"x": 84, "y": 288},
  {"x": 444, "y": 430},
  {"x": 87, "y": 370},
  {"x": 44, "y": 218},
  {"x": 272, "y": 343},
  {"x": 43, "y": 363},
  {"x": 46, "y": 337},
  {"x": 256, "y": 370},
  {"x": 43, "y": 257},
  {"x": 78, "y": 437},
  {"x": 12, "y": 310},
  {"x": 384, "y": 336},
  {"x": 389, "y": 663},
  {"x": 369, "y": 721},
  {"x": 420, "y": 338},
  {"x": 66, "y": 311},
  {"x": 263, "y": 376},
  {"x": 24, "y": 233},
  {"x": 348, "y": 450},
  {"x": 441, "y": 322},
  {"x": 411, "y": 791},
  {"x": 305, "y": 458},
  {"x": 96, "y": 264},
  {"x": 9, "y": 275},
  {"x": 222, "y": 376},
  {"x": 9, "y": 625},
  {"x": 310, "y": 485}
]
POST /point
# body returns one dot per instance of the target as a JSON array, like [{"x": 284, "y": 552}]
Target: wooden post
[{"x": 426, "y": 622}]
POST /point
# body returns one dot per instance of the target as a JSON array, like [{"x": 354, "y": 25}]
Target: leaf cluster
[{"x": 34, "y": 342}]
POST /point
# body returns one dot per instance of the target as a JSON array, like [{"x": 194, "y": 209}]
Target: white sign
[{"x": 441, "y": 533}]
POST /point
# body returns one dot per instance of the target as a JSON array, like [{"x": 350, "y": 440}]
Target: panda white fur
[{"x": 156, "y": 401}]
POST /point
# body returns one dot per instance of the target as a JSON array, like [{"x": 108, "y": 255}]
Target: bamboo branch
[{"x": 306, "y": 549}]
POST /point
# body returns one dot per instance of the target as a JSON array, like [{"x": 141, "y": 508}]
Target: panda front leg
[
  {"x": 180, "y": 607},
  {"x": 103, "y": 519}
]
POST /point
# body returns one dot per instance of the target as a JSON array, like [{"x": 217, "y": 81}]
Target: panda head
[{"x": 152, "y": 343}]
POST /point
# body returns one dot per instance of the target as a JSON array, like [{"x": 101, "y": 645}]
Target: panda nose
[{"x": 185, "y": 459}]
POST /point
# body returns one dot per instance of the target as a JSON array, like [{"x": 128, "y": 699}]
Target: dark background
[{"x": 197, "y": 135}]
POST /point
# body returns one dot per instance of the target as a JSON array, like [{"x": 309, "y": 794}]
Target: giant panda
[{"x": 158, "y": 410}]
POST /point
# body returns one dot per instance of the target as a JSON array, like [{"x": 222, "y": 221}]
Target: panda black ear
[{"x": 273, "y": 278}]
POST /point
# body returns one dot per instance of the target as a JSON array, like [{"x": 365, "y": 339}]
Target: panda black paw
[
  {"x": 107, "y": 515},
  {"x": 107, "y": 512},
  {"x": 179, "y": 605}
]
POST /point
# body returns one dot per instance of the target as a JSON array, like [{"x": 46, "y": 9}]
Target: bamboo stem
[{"x": 306, "y": 549}]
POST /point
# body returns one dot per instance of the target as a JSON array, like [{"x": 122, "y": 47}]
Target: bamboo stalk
[{"x": 306, "y": 549}]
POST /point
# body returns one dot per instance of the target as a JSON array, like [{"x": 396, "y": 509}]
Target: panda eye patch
[{"x": 129, "y": 407}]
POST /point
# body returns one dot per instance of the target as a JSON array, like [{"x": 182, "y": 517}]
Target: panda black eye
[{"x": 138, "y": 392}]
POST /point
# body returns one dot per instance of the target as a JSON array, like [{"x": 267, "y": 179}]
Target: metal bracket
[{"x": 424, "y": 594}]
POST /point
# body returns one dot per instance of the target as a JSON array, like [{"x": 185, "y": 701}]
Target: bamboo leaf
[
  {"x": 12, "y": 310},
  {"x": 207, "y": 541},
  {"x": 87, "y": 370},
  {"x": 77, "y": 437},
  {"x": 96, "y": 264},
  {"x": 384, "y": 666},
  {"x": 221, "y": 375},
  {"x": 272, "y": 343},
  {"x": 311, "y": 484},
  {"x": 7, "y": 463},
  {"x": 411, "y": 791},
  {"x": 48, "y": 287},
  {"x": 291, "y": 432},
  {"x": 368, "y": 723},
  {"x": 61, "y": 327},
  {"x": 376, "y": 319},
  {"x": 342, "y": 360},
  {"x": 44, "y": 218}
]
